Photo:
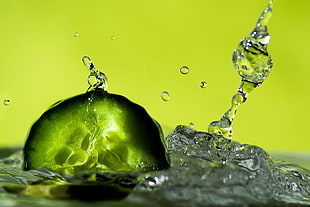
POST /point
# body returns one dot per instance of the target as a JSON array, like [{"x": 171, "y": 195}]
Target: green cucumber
[{"x": 95, "y": 131}]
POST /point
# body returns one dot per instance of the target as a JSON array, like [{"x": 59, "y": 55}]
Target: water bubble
[
  {"x": 75, "y": 34},
  {"x": 165, "y": 96},
  {"x": 203, "y": 84},
  {"x": 184, "y": 70},
  {"x": 6, "y": 102}
]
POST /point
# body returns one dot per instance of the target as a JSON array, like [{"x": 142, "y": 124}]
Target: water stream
[{"x": 253, "y": 63}]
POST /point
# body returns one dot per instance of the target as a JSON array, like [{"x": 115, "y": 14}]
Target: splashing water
[
  {"x": 201, "y": 174},
  {"x": 96, "y": 79},
  {"x": 253, "y": 64},
  {"x": 207, "y": 169}
]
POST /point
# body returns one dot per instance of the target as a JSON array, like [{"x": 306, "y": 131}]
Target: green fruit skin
[{"x": 108, "y": 133}]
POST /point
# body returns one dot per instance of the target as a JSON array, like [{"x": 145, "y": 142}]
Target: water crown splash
[{"x": 253, "y": 63}]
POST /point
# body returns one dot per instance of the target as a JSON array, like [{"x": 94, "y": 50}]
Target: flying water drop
[
  {"x": 253, "y": 63},
  {"x": 184, "y": 70},
  {"x": 250, "y": 58},
  {"x": 203, "y": 84},
  {"x": 75, "y": 34},
  {"x": 165, "y": 96},
  {"x": 6, "y": 102}
]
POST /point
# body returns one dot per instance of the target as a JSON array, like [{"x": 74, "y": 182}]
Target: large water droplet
[
  {"x": 75, "y": 34},
  {"x": 6, "y": 102},
  {"x": 203, "y": 84},
  {"x": 184, "y": 70},
  {"x": 165, "y": 96},
  {"x": 250, "y": 58}
]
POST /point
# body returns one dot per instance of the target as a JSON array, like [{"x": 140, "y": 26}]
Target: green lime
[{"x": 95, "y": 131}]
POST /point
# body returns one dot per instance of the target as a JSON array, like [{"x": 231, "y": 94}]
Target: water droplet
[
  {"x": 250, "y": 58},
  {"x": 203, "y": 84},
  {"x": 184, "y": 70},
  {"x": 75, "y": 34},
  {"x": 165, "y": 96},
  {"x": 6, "y": 102},
  {"x": 112, "y": 37},
  {"x": 191, "y": 125}
]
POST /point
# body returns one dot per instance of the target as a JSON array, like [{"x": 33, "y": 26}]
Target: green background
[{"x": 141, "y": 45}]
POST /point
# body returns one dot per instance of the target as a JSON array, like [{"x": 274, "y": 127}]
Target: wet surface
[{"x": 204, "y": 172}]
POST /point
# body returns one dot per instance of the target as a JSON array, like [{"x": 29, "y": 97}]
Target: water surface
[{"x": 204, "y": 172}]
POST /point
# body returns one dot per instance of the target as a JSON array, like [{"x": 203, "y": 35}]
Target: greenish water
[{"x": 203, "y": 172}]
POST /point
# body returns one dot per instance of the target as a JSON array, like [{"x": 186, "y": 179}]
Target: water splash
[
  {"x": 253, "y": 63},
  {"x": 201, "y": 174},
  {"x": 96, "y": 79}
]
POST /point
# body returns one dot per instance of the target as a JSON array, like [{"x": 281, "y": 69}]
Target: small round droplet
[
  {"x": 191, "y": 125},
  {"x": 6, "y": 102},
  {"x": 184, "y": 70},
  {"x": 75, "y": 34},
  {"x": 203, "y": 84},
  {"x": 112, "y": 37},
  {"x": 165, "y": 96}
]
